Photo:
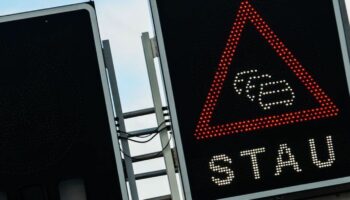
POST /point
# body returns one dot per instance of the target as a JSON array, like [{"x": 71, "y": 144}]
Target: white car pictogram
[{"x": 263, "y": 89}]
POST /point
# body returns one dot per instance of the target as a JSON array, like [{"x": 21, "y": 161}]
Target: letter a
[{"x": 284, "y": 150}]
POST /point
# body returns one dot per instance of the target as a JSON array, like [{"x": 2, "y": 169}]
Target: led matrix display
[
  {"x": 258, "y": 94},
  {"x": 246, "y": 13}
]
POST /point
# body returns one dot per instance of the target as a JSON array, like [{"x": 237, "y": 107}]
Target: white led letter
[
  {"x": 215, "y": 167},
  {"x": 331, "y": 155},
  {"x": 284, "y": 150},
  {"x": 253, "y": 156}
]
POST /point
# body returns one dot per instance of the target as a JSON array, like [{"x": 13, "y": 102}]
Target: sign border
[
  {"x": 344, "y": 37},
  {"x": 101, "y": 63}
]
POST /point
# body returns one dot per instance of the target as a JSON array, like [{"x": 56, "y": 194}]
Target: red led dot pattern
[{"x": 247, "y": 13}]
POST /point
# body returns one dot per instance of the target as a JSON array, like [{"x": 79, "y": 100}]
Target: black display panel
[
  {"x": 55, "y": 122},
  {"x": 258, "y": 94}
]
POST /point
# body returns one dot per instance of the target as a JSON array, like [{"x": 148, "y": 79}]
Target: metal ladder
[{"x": 162, "y": 115}]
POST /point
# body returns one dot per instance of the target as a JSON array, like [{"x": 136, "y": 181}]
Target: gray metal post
[
  {"x": 118, "y": 109},
  {"x": 164, "y": 137}
]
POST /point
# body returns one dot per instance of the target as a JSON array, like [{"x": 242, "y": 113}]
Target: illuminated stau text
[{"x": 223, "y": 174}]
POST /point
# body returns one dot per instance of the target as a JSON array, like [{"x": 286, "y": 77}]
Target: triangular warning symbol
[{"x": 326, "y": 107}]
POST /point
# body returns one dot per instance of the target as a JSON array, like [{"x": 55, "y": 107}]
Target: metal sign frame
[
  {"x": 344, "y": 36},
  {"x": 103, "y": 75}
]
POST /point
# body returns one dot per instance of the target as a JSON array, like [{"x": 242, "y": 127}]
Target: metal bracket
[
  {"x": 150, "y": 51},
  {"x": 154, "y": 44},
  {"x": 120, "y": 118}
]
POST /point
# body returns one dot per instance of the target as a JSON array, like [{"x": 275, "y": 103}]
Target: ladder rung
[
  {"x": 147, "y": 157},
  {"x": 139, "y": 113},
  {"x": 153, "y": 155},
  {"x": 142, "y": 132},
  {"x": 166, "y": 197},
  {"x": 152, "y": 174}
]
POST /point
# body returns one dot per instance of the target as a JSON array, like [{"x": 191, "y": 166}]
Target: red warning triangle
[{"x": 326, "y": 107}]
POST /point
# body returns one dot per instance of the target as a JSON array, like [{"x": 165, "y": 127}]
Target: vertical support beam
[
  {"x": 169, "y": 162},
  {"x": 119, "y": 113}
]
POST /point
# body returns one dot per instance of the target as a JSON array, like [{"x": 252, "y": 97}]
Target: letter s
[{"x": 215, "y": 167}]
